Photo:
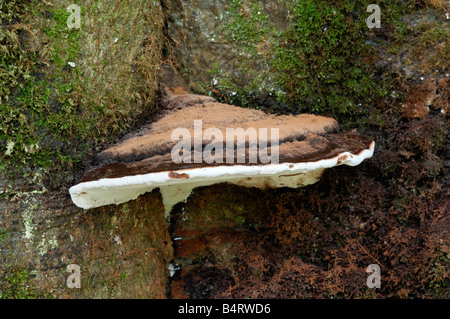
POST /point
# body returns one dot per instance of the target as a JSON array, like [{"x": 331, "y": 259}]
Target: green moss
[
  {"x": 16, "y": 282},
  {"x": 317, "y": 68},
  {"x": 36, "y": 109},
  {"x": 51, "y": 113},
  {"x": 319, "y": 59},
  {"x": 248, "y": 25},
  {"x": 322, "y": 59}
]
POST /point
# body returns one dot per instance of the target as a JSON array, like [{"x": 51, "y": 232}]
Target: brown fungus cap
[{"x": 305, "y": 145}]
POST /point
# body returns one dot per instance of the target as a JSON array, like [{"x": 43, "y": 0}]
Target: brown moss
[{"x": 317, "y": 242}]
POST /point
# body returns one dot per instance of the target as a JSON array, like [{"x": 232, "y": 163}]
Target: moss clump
[
  {"x": 318, "y": 58},
  {"x": 430, "y": 46},
  {"x": 37, "y": 111},
  {"x": 15, "y": 283},
  {"x": 249, "y": 25}
]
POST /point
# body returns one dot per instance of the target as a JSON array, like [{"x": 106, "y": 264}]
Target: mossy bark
[
  {"x": 122, "y": 250},
  {"x": 66, "y": 93}
]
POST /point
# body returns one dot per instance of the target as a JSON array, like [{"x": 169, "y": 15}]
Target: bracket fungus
[{"x": 219, "y": 143}]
